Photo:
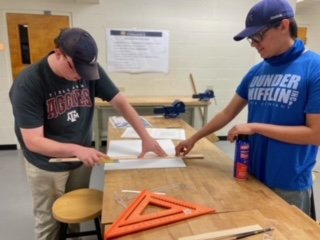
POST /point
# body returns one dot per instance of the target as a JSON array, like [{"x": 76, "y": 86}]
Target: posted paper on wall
[{"x": 137, "y": 51}]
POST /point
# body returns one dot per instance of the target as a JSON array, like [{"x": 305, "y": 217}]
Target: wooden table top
[
  {"x": 208, "y": 182},
  {"x": 156, "y": 101}
]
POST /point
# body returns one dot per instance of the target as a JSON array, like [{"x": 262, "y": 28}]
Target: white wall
[
  {"x": 308, "y": 16},
  {"x": 201, "y": 43}
]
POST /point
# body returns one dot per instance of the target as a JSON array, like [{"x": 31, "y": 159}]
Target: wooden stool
[{"x": 76, "y": 207}]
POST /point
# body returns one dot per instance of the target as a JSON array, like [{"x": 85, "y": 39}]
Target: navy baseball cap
[
  {"x": 81, "y": 47},
  {"x": 264, "y": 14}
]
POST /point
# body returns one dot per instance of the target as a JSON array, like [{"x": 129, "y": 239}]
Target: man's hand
[
  {"x": 246, "y": 129},
  {"x": 152, "y": 145},
  {"x": 90, "y": 156},
  {"x": 184, "y": 147}
]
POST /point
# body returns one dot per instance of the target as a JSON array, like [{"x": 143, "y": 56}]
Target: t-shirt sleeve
[
  {"x": 313, "y": 97},
  {"x": 27, "y": 103},
  {"x": 105, "y": 88}
]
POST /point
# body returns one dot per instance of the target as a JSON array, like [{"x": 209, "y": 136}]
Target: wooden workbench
[
  {"x": 208, "y": 182},
  {"x": 144, "y": 103}
]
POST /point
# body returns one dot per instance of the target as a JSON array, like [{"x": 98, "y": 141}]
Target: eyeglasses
[
  {"x": 69, "y": 71},
  {"x": 68, "y": 62},
  {"x": 258, "y": 37}
]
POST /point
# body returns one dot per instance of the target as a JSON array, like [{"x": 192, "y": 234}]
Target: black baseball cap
[{"x": 82, "y": 48}]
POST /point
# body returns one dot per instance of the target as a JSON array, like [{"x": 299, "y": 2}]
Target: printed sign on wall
[{"x": 137, "y": 51}]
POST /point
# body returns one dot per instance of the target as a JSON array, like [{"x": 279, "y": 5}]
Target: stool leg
[
  {"x": 63, "y": 231},
  {"x": 98, "y": 229}
]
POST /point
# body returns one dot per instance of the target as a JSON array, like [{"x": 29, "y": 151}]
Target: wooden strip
[
  {"x": 75, "y": 159},
  {"x": 116, "y": 159},
  {"x": 212, "y": 137},
  {"x": 223, "y": 233},
  {"x": 196, "y": 92}
]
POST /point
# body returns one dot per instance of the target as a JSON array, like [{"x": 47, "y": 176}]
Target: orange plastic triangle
[{"x": 134, "y": 220}]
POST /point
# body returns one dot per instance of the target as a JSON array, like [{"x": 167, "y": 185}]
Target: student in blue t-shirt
[{"x": 282, "y": 94}]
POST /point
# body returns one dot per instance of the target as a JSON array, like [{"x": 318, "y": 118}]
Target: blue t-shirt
[{"x": 282, "y": 91}]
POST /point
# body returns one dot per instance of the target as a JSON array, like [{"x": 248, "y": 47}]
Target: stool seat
[{"x": 78, "y": 206}]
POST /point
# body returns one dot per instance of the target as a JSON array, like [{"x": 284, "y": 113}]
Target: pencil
[{"x": 252, "y": 233}]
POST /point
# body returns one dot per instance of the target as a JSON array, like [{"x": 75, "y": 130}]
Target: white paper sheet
[
  {"x": 158, "y": 133},
  {"x": 132, "y": 148},
  {"x": 120, "y": 122},
  {"x": 138, "y": 51}
]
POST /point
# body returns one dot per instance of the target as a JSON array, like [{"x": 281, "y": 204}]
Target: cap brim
[
  {"x": 247, "y": 32},
  {"x": 87, "y": 71}
]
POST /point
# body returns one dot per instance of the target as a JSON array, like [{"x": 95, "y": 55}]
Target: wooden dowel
[
  {"x": 75, "y": 159},
  {"x": 196, "y": 92},
  {"x": 116, "y": 159}
]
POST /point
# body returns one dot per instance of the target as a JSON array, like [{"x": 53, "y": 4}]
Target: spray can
[{"x": 241, "y": 158}]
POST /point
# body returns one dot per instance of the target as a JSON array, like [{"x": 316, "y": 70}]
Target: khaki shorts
[{"x": 46, "y": 187}]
